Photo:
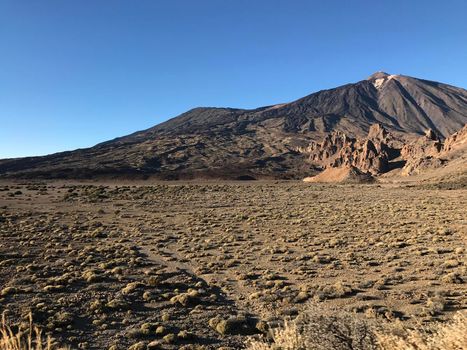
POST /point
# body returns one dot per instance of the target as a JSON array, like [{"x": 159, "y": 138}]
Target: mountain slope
[{"x": 263, "y": 142}]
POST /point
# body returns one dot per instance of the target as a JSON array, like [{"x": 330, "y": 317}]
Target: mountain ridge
[{"x": 260, "y": 142}]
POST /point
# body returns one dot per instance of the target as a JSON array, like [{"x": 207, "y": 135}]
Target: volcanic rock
[
  {"x": 426, "y": 146},
  {"x": 263, "y": 142},
  {"x": 429, "y": 152},
  {"x": 378, "y": 133},
  {"x": 343, "y": 174},
  {"x": 416, "y": 166},
  {"x": 340, "y": 150},
  {"x": 456, "y": 141}
]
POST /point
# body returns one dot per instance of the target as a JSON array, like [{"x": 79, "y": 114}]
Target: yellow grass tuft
[
  {"x": 287, "y": 337},
  {"x": 444, "y": 336},
  {"x": 320, "y": 329},
  {"x": 293, "y": 336},
  {"x": 30, "y": 338}
]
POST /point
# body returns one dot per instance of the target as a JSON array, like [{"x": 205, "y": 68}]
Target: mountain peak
[
  {"x": 378, "y": 75},
  {"x": 379, "y": 79},
  {"x": 263, "y": 142}
]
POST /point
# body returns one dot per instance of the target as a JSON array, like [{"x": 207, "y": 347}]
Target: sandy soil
[{"x": 184, "y": 265}]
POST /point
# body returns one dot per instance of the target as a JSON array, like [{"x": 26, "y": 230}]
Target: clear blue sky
[{"x": 77, "y": 72}]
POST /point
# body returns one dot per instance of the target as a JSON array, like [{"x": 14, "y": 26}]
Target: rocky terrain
[
  {"x": 261, "y": 143},
  {"x": 101, "y": 254},
  {"x": 360, "y": 160},
  {"x": 431, "y": 152},
  {"x": 210, "y": 265},
  {"x": 369, "y": 155}
]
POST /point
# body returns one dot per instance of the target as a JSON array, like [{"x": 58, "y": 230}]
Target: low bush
[{"x": 317, "y": 329}]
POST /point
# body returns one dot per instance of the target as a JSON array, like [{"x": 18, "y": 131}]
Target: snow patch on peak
[{"x": 378, "y": 83}]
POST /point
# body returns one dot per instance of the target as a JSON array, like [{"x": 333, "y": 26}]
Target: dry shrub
[
  {"x": 30, "y": 338},
  {"x": 336, "y": 330},
  {"x": 287, "y": 337},
  {"x": 320, "y": 329},
  {"x": 442, "y": 336}
]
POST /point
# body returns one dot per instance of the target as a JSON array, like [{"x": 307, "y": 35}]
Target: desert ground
[{"x": 174, "y": 265}]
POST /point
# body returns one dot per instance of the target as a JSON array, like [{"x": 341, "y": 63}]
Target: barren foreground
[{"x": 172, "y": 264}]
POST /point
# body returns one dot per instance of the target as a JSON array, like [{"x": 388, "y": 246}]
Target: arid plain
[{"x": 209, "y": 264}]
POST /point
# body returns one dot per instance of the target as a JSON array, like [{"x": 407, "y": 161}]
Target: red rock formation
[
  {"x": 337, "y": 150},
  {"x": 429, "y": 152},
  {"x": 377, "y": 132},
  {"x": 426, "y": 146},
  {"x": 456, "y": 141},
  {"x": 372, "y": 154}
]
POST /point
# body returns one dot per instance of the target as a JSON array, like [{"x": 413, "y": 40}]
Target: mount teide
[{"x": 263, "y": 142}]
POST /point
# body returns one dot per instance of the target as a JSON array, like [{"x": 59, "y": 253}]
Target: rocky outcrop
[
  {"x": 429, "y": 152},
  {"x": 378, "y": 133},
  {"x": 372, "y": 155},
  {"x": 456, "y": 141},
  {"x": 422, "y": 153},
  {"x": 416, "y": 166},
  {"x": 426, "y": 146},
  {"x": 339, "y": 150},
  {"x": 365, "y": 155}
]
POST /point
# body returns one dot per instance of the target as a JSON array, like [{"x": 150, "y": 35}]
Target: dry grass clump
[
  {"x": 444, "y": 336},
  {"x": 30, "y": 338},
  {"x": 287, "y": 337},
  {"x": 321, "y": 330}
]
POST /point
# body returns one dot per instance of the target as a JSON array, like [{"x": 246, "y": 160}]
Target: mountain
[{"x": 263, "y": 142}]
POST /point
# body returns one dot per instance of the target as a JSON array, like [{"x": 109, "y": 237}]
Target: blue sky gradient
[{"x": 75, "y": 73}]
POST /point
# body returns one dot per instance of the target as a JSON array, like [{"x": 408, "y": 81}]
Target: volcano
[{"x": 264, "y": 142}]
